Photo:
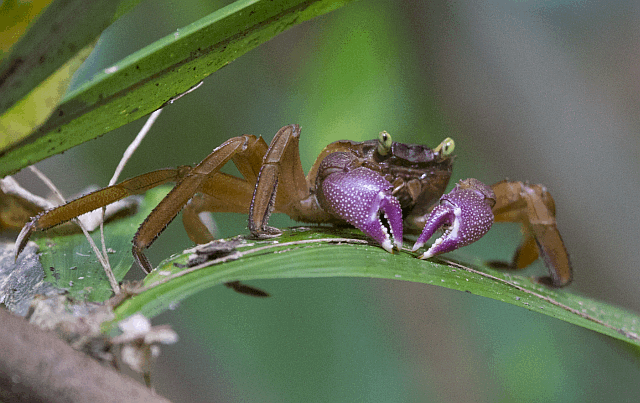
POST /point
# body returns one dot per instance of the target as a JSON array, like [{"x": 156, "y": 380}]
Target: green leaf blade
[
  {"x": 71, "y": 265},
  {"x": 54, "y": 38},
  {"x": 327, "y": 252},
  {"x": 145, "y": 80}
]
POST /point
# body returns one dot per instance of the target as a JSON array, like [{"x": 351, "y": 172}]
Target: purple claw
[
  {"x": 466, "y": 214},
  {"x": 358, "y": 197}
]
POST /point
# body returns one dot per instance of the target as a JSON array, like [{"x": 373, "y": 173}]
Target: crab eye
[
  {"x": 446, "y": 147},
  {"x": 384, "y": 143}
]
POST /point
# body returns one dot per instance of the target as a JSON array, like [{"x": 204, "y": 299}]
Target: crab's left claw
[
  {"x": 464, "y": 213},
  {"x": 361, "y": 197}
]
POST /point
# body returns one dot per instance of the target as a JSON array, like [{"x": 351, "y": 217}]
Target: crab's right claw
[
  {"x": 464, "y": 213},
  {"x": 362, "y": 197}
]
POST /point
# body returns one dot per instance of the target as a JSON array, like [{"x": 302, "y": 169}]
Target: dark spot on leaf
[{"x": 11, "y": 69}]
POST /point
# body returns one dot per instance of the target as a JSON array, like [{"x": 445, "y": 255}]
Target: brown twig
[{"x": 36, "y": 366}]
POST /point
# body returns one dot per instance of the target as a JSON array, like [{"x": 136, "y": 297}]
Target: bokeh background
[{"x": 544, "y": 91}]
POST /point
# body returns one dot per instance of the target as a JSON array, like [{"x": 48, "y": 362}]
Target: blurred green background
[{"x": 540, "y": 91}]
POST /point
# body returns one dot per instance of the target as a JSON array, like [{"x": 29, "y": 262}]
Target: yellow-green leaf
[{"x": 145, "y": 80}]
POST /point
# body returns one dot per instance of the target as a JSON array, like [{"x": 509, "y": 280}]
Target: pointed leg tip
[
  {"x": 427, "y": 255},
  {"x": 387, "y": 245},
  {"x": 23, "y": 238}
]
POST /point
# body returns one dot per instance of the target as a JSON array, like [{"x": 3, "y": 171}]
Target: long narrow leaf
[
  {"x": 61, "y": 31},
  {"x": 327, "y": 252},
  {"x": 145, "y": 80}
]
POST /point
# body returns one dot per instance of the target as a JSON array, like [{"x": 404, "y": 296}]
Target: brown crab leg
[
  {"x": 221, "y": 193},
  {"x": 282, "y": 171},
  {"x": 249, "y": 161},
  {"x": 534, "y": 207},
  {"x": 225, "y": 193},
  {"x": 96, "y": 200},
  {"x": 171, "y": 205}
]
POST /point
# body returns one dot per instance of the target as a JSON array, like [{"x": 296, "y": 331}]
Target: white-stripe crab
[{"x": 381, "y": 187}]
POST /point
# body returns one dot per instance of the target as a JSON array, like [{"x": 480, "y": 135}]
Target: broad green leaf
[
  {"x": 145, "y": 80},
  {"x": 70, "y": 264},
  {"x": 57, "y": 35},
  {"x": 31, "y": 111},
  {"x": 328, "y": 252},
  {"x": 304, "y": 252},
  {"x": 35, "y": 75}
]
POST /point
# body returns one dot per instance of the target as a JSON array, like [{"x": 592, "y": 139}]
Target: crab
[{"x": 382, "y": 187}]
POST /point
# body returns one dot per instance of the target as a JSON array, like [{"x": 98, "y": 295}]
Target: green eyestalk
[
  {"x": 445, "y": 148},
  {"x": 384, "y": 143}
]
